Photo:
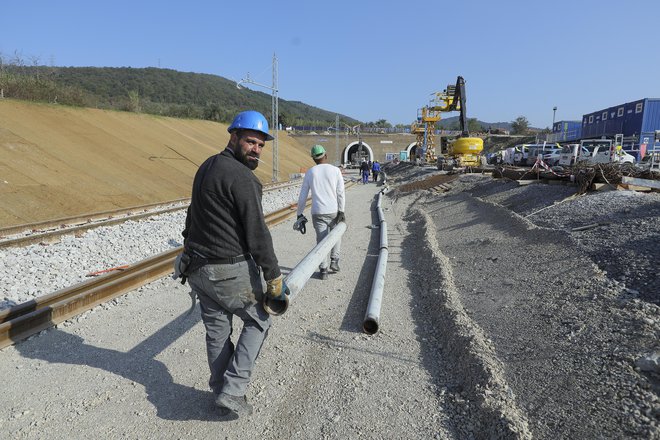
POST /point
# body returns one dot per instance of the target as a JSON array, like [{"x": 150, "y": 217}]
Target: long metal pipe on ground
[
  {"x": 372, "y": 317},
  {"x": 299, "y": 275}
]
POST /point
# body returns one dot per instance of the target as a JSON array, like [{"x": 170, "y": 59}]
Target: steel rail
[
  {"x": 44, "y": 237},
  {"x": 28, "y": 318},
  {"x": 49, "y": 230},
  {"x": 83, "y": 218}
]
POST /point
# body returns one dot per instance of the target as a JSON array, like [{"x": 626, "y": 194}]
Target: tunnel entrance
[
  {"x": 355, "y": 152},
  {"x": 412, "y": 151}
]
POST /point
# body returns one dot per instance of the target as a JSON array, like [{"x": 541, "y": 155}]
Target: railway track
[
  {"x": 26, "y": 319},
  {"x": 50, "y": 231}
]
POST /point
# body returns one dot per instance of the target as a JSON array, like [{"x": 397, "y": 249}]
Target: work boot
[
  {"x": 324, "y": 274},
  {"x": 334, "y": 265},
  {"x": 235, "y": 404}
]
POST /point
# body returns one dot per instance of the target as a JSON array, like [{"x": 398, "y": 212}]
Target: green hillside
[
  {"x": 453, "y": 123},
  {"x": 151, "y": 90}
]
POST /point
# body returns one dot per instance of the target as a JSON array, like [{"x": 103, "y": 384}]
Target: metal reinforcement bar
[
  {"x": 372, "y": 317},
  {"x": 28, "y": 318}
]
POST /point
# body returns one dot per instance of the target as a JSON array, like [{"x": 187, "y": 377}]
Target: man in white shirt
[{"x": 327, "y": 186}]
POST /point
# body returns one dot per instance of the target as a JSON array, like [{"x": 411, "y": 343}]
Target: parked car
[
  {"x": 526, "y": 154},
  {"x": 548, "y": 152},
  {"x": 552, "y": 158}
]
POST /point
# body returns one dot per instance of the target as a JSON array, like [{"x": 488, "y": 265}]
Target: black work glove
[
  {"x": 340, "y": 217},
  {"x": 299, "y": 225}
]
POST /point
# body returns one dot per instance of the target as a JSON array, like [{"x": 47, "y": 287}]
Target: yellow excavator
[{"x": 462, "y": 151}]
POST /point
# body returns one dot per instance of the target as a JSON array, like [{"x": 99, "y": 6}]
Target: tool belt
[{"x": 187, "y": 263}]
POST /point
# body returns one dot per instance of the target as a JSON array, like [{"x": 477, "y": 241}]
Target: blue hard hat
[{"x": 250, "y": 120}]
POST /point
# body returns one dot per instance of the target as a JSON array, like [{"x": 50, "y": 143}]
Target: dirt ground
[{"x": 58, "y": 161}]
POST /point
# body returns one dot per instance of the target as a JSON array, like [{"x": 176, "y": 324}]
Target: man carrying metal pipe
[
  {"x": 328, "y": 200},
  {"x": 227, "y": 248}
]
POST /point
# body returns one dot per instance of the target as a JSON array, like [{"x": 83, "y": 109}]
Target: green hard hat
[{"x": 318, "y": 151}]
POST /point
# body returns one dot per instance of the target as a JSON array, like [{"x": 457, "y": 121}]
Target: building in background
[
  {"x": 636, "y": 120},
  {"x": 566, "y": 131}
]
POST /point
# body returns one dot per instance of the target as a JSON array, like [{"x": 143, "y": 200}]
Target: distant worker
[
  {"x": 227, "y": 248},
  {"x": 328, "y": 200},
  {"x": 364, "y": 170},
  {"x": 375, "y": 169}
]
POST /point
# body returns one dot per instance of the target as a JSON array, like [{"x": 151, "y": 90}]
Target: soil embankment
[{"x": 60, "y": 161}]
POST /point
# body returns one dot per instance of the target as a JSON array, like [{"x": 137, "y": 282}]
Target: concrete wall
[
  {"x": 376, "y": 146},
  {"x": 340, "y": 148}
]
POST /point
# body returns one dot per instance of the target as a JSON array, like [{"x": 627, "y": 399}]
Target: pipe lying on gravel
[
  {"x": 299, "y": 275},
  {"x": 372, "y": 317}
]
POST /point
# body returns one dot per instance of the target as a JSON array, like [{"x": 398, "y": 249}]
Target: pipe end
[
  {"x": 276, "y": 307},
  {"x": 370, "y": 326}
]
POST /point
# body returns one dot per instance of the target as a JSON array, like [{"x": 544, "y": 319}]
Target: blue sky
[{"x": 369, "y": 59}]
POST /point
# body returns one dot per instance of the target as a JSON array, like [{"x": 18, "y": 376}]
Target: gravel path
[{"x": 497, "y": 322}]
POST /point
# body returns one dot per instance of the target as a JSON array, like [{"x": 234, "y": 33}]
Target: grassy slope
[{"x": 60, "y": 161}]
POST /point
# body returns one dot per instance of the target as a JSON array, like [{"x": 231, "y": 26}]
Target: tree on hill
[
  {"x": 520, "y": 125},
  {"x": 473, "y": 124},
  {"x": 150, "y": 90},
  {"x": 381, "y": 123}
]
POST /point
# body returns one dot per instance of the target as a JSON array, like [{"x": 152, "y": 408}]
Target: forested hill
[{"x": 152, "y": 90}]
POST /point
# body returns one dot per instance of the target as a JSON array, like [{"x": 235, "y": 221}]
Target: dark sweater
[{"x": 225, "y": 217}]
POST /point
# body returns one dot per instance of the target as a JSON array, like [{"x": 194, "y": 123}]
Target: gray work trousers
[
  {"x": 323, "y": 224},
  {"x": 225, "y": 290}
]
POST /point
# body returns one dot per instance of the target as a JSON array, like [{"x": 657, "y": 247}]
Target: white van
[{"x": 593, "y": 151}]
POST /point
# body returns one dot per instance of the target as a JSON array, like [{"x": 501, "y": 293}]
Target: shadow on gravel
[
  {"x": 332, "y": 342},
  {"x": 172, "y": 401},
  {"x": 357, "y": 306}
]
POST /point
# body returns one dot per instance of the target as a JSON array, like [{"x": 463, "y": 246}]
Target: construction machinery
[
  {"x": 465, "y": 150},
  {"x": 462, "y": 151},
  {"x": 423, "y": 128}
]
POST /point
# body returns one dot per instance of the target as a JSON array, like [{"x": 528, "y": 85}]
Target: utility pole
[
  {"x": 337, "y": 140},
  {"x": 274, "y": 121}
]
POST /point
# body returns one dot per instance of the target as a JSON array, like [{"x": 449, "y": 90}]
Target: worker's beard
[{"x": 246, "y": 159}]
